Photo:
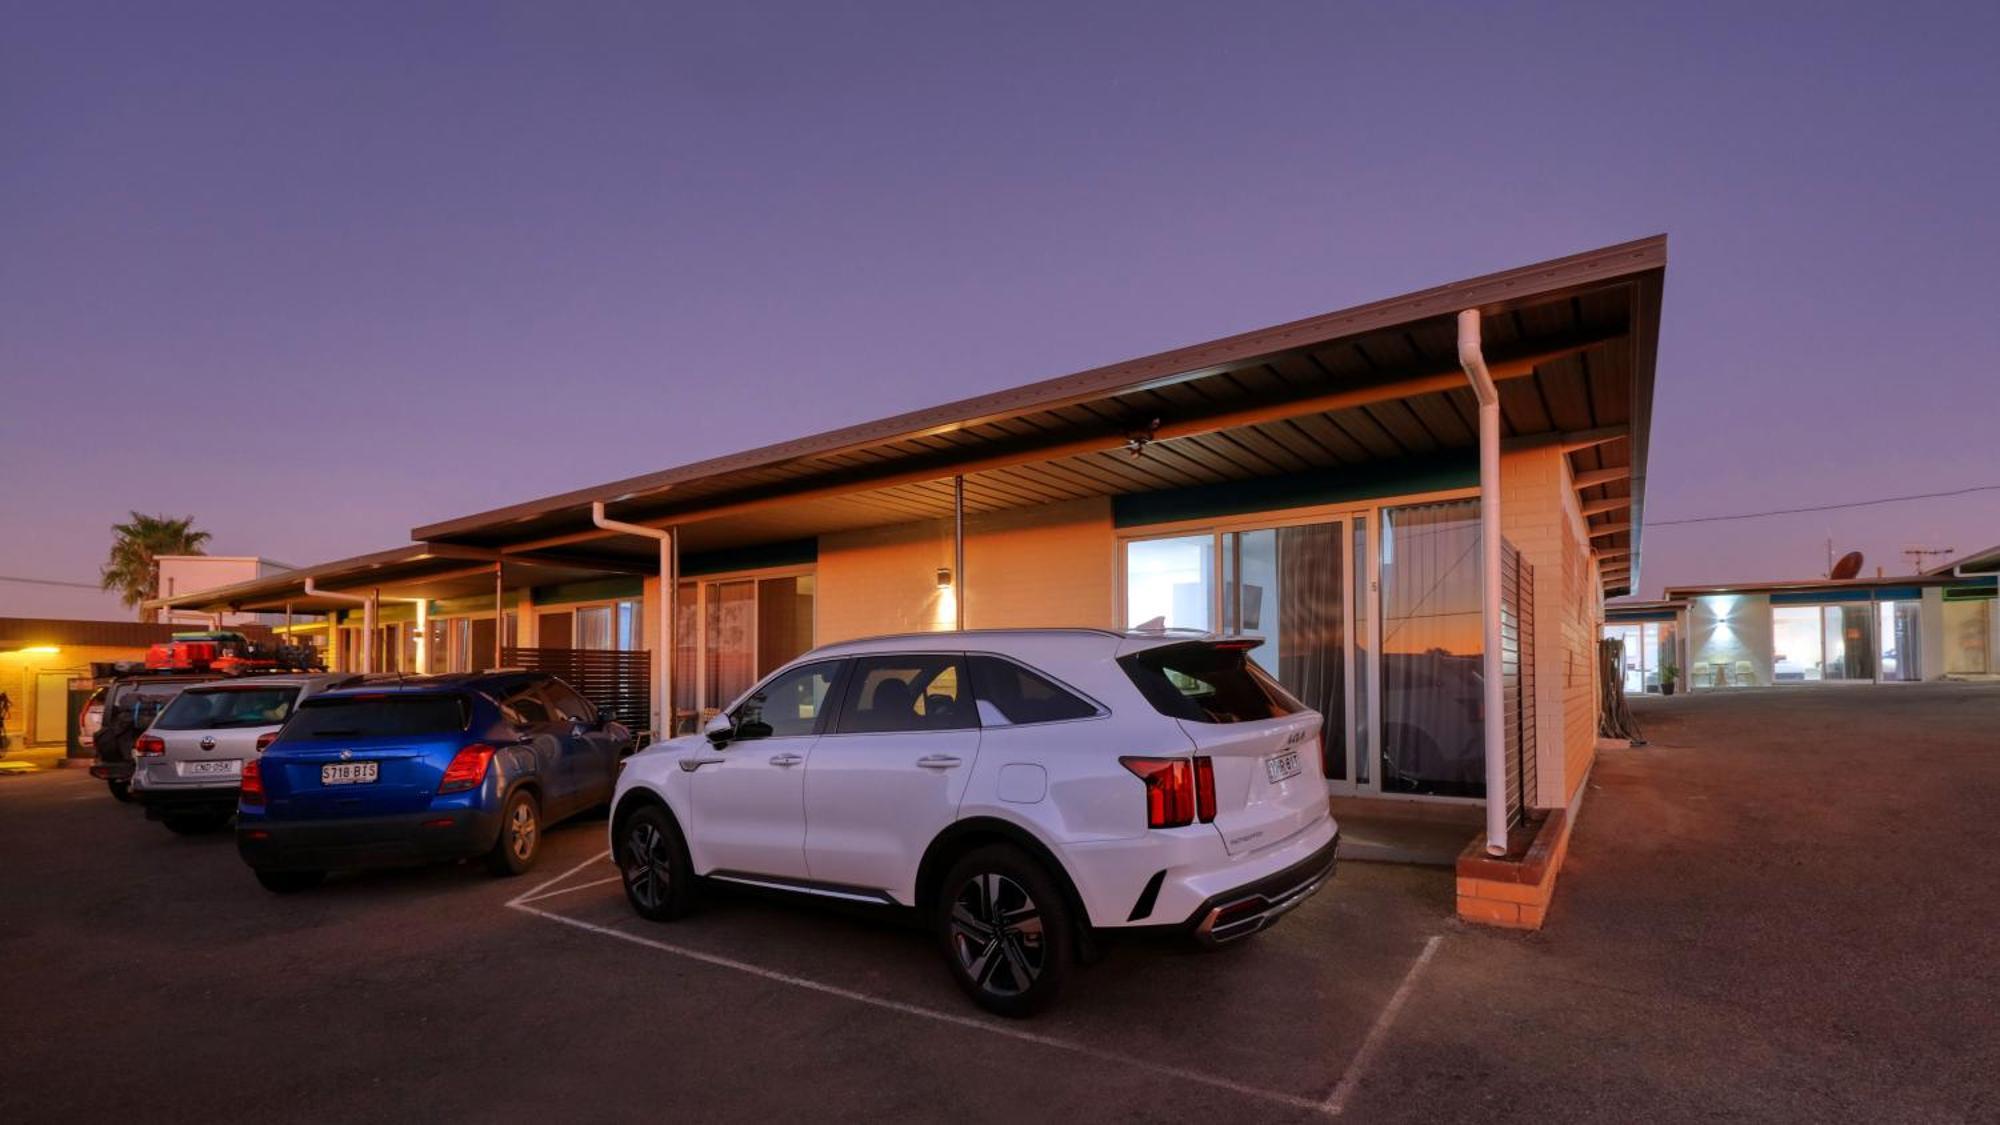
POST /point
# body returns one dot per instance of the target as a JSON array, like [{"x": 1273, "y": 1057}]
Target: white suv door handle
[
  {"x": 937, "y": 761},
  {"x": 787, "y": 759}
]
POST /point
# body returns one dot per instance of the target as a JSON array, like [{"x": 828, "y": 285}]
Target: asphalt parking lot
[{"x": 1783, "y": 908}]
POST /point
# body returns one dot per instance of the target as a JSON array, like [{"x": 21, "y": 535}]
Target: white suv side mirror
[{"x": 720, "y": 730}]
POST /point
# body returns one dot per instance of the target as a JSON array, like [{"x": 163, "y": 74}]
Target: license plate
[
  {"x": 1285, "y": 765},
  {"x": 349, "y": 773},
  {"x": 226, "y": 767}
]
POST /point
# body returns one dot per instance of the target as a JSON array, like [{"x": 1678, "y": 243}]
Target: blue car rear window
[{"x": 378, "y": 716}]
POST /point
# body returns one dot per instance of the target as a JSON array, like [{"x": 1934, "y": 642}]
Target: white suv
[{"x": 1025, "y": 789}]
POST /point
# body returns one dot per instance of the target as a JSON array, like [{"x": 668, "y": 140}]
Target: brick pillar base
[{"x": 1513, "y": 890}]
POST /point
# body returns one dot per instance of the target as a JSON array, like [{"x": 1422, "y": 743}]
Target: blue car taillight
[
  {"x": 252, "y": 795},
  {"x": 467, "y": 769}
]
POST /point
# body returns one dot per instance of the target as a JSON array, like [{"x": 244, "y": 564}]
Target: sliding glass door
[
  {"x": 731, "y": 632},
  {"x": 1285, "y": 586},
  {"x": 1901, "y": 630},
  {"x": 1432, "y": 736}
]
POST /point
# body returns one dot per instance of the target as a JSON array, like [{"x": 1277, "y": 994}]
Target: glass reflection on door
[{"x": 1287, "y": 586}]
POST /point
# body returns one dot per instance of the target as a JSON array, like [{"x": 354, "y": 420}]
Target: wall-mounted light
[
  {"x": 944, "y": 578},
  {"x": 43, "y": 650}
]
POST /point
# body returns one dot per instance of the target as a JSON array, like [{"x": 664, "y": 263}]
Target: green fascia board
[
  {"x": 762, "y": 556},
  {"x": 1371, "y": 481},
  {"x": 624, "y": 586},
  {"x": 1822, "y": 597},
  {"x": 1612, "y": 617}
]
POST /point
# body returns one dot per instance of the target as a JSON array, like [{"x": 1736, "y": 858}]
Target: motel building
[
  {"x": 1419, "y": 505},
  {"x": 1939, "y": 625}
]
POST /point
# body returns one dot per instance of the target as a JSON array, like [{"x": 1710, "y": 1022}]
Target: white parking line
[
  {"x": 545, "y": 884},
  {"x": 1336, "y": 1102},
  {"x": 1334, "y": 1105},
  {"x": 565, "y": 890}
]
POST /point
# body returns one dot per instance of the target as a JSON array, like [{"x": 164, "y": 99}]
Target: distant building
[
  {"x": 192, "y": 574},
  {"x": 1941, "y": 624}
]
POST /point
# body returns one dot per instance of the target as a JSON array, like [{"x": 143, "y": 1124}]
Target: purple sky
[{"x": 322, "y": 275}]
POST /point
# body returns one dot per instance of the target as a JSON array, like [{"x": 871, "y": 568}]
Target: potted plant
[{"x": 1670, "y": 674}]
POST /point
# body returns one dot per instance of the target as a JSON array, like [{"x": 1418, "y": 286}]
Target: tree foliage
[{"x": 130, "y": 568}]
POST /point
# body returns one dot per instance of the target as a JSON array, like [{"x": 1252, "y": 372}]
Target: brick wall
[
  {"x": 1050, "y": 565},
  {"x": 1540, "y": 514}
]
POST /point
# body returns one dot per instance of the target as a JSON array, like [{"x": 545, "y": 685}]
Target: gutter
[
  {"x": 663, "y": 671},
  {"x": 1473, "y": 360}
]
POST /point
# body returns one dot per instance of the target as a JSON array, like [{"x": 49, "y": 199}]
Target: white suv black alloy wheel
[{"x": 1006, "y": 930}]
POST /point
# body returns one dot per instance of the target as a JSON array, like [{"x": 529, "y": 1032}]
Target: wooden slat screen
[{"x": 619, "y": 683}]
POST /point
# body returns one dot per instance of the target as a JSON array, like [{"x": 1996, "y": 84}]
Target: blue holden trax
[{"x": 423, "y": 769}]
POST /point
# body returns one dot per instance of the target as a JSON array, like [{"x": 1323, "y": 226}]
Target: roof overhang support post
[
  {"x": 958, "y": 552},
  {"x": 499, "y": 614},
  {"x": 367, "y": 618},
  {"x": 1473, "y": 360},
  {"x": 663, "y": 654}
]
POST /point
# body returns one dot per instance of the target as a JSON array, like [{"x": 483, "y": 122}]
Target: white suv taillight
[
  {"x": 1177, "y": 790},
  {"x": 148, "y": 745}
]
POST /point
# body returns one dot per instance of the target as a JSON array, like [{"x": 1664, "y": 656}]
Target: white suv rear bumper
[{"x": 1196, "y": 876}]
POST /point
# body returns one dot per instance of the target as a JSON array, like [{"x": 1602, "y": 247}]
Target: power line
[
  {"x": 1826, "y": 507},
  {"x": 50, "y": 582}
]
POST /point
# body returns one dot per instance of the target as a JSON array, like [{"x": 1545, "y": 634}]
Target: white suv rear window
[{"x": 1208, "y": 682}]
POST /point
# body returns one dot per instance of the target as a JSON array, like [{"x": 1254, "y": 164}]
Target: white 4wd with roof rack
[{"x": 1027, "y": 790}]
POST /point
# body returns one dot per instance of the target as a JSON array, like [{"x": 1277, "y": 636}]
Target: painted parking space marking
[
  {"x": 566, "y": 890},
  {"x": 1336, "y": 1102},
  {"x": 1333, "y": 1106}
]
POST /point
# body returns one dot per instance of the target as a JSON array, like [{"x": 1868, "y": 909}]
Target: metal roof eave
[{"x": 1643, "y": 260}]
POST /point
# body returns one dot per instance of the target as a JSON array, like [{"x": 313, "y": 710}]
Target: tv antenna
[{"x": 1917, "y": 555}]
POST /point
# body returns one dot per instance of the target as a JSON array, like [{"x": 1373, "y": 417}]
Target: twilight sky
[{"x": 322, "y": 274}]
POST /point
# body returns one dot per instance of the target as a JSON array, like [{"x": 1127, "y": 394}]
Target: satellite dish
[{"x": 1848, "y": 566}]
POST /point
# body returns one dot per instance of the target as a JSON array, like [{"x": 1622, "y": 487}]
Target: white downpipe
[
  {"x": 367, "y": 620},
  {"x": 663, "y": 668},
  {"x": 1474, "y": 362}
]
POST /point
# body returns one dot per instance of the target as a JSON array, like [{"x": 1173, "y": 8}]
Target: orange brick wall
[
  {"x": 1050, "y": 565},
  {"x": 1540, "y": 515}
]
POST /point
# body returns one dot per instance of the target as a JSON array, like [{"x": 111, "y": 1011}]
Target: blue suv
[{"x": 424, "y": 769}]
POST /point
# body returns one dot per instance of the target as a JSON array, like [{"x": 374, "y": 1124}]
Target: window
[
  {"x": 566, "y": 704},
  {"x": 528, "y": 706},
  {"x": 729, "y": 633},
  {"x": 1007, "y": 694},
  {"x": 1170, "y": 583},
  {"x": 889, "y": 694},
  {"x": 789, "y": 705},
  {"x": 1207, "y": 683},
  {"x": 222, "y": 708},
  {"x": 378, "y": 716}
]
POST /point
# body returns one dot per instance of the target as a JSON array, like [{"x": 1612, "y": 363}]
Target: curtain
[
  {"x": 1431, "y": 644},
  {"x": 1311, "y": 631}
]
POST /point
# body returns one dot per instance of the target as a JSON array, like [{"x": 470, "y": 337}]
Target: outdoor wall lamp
[{"x": 944, "y": 578}]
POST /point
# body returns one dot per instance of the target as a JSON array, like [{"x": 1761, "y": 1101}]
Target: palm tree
[{"x": 130, "y": 568}]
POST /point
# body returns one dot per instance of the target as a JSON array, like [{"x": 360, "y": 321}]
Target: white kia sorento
[{"x": 1024, "y": 790}]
